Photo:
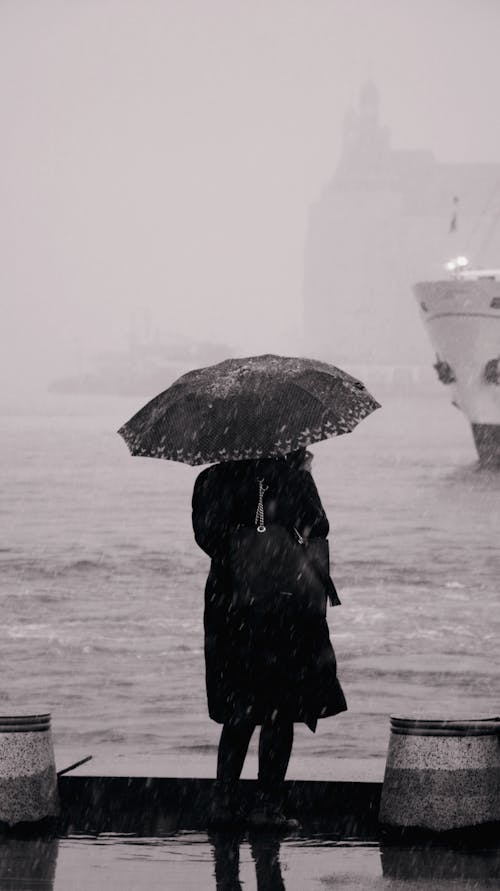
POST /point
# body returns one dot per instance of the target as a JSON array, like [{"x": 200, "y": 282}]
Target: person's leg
[
  {"x": 275, "y": 748},
  {"x": 233, "y": 747}
]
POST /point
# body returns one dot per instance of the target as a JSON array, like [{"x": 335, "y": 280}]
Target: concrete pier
[
  {"x": 154, "y": 797},
  {"x": 157, "y": 797},
  {"x": 137, "y": 822}
]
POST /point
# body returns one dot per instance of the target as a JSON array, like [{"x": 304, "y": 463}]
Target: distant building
[{"x": 386, "y": 219}]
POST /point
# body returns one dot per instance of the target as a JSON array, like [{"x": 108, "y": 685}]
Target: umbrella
[{"x": 248, "y": 408}]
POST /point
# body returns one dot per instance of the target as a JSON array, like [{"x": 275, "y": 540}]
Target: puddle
[{"x": 232, "y": 861}]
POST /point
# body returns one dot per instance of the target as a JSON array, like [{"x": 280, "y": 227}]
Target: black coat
[{"x": 255, "y": 668}]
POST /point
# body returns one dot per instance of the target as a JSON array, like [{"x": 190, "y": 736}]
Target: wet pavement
[
  {"x": 159, "y": 839},
  {"x": 239, "y": 862}
]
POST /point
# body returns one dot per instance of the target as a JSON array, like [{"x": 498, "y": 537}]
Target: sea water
[{"x": 101, "y": 582}]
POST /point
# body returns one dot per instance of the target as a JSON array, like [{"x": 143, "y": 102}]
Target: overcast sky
[{"x": 163, "y": 154}]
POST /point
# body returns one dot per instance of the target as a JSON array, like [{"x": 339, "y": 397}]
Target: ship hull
[
  {"x": 487, "y": 442},
  {"x": 462, "y": 319}
]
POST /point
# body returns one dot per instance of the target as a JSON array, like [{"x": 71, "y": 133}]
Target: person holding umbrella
[
  {"x": 257, "y": 513},
  {"x": 270, "y": 665}
]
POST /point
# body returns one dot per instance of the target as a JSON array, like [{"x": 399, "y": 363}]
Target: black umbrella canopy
[{"x": 248, "y": 408}]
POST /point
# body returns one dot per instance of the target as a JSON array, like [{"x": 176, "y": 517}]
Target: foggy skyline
[{"x": 163, "y": 156}]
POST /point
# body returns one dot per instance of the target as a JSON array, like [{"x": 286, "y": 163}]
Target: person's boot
[
  {"x": 268, "y": 812},
  {"x": 225, "y": 807}
]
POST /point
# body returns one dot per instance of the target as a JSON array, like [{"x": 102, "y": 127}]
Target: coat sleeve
[
  {"x": 211, "y": 512},
  {"x": 311, "y": 519}
]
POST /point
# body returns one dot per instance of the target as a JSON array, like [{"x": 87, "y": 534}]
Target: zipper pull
[{"x": 299, "y": 537}]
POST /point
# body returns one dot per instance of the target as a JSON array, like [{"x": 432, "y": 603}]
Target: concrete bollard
[
  {"x": 441, "y": 775},
  {"x": 28, "y": 779}
]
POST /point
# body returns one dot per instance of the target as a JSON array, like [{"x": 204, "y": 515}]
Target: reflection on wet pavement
[
  {"x": 28, "y": 863},
  {"x": 435, "y": 865},
  {"x": 265, "y": 851},
  {"x": 238, "y": 861}
]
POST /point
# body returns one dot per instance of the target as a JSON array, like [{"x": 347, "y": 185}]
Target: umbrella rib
[
  {"x": 292, "y": 384},
  {"x": 324, "y": 409},
  {"x": 363, "y": 394},
  {"x": 342, "y": 376}
]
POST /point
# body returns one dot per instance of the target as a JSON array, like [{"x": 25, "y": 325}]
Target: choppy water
[{"x": 102, "y": 583}]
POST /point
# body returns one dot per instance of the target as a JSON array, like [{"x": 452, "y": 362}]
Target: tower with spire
[{"x": 381, "y": 223}]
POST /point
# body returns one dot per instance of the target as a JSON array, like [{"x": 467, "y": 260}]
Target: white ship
[{"x": 462, "y": 316}]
